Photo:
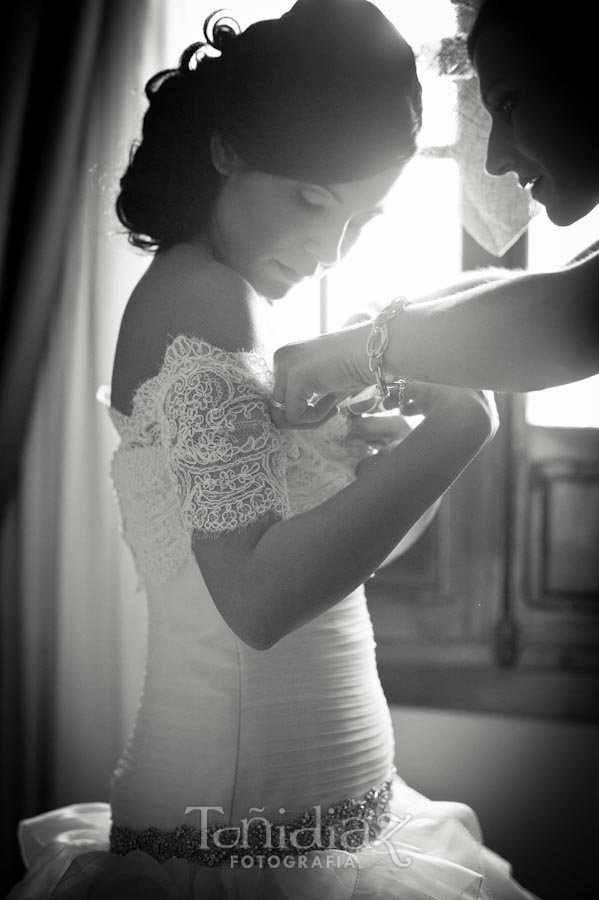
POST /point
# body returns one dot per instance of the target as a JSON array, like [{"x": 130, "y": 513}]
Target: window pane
[
  {"x": 568, "y": 406},
  {"x": 414, "y": 247},
  {"x": 420, "y": 22},
  {"x": 299, "y": 317},
  {"x": 550, "y": 245},
  {"x": 574, "y": 405},
  {"x": 423, "y": 25}
]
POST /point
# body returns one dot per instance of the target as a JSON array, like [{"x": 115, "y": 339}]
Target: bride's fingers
[
  {"x": 417, "y": 398},
  {"x": 319, "y": 412},
  {"x": 410, "y": 408},
  {"x": 382, "y": 428},
  {"x": 363, "y": 407}
]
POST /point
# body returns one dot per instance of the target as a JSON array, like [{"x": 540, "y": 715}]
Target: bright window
[
  {"x": 416, "y": 245},
  {"x": 573, "y": 405}
]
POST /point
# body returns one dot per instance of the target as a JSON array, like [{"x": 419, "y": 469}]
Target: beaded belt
[{"x": 349, "y": 825}]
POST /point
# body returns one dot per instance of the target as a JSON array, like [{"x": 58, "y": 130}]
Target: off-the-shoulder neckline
[{"x": 103, "y": 395}]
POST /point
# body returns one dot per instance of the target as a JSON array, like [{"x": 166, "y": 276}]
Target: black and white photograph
[{"x": 299, "y": 419}]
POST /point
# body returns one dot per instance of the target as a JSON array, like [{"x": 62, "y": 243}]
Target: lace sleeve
[{"x": 223, "y": 452}]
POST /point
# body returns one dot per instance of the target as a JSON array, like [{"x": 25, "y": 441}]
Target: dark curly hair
[{"x": 327, "y": 93}]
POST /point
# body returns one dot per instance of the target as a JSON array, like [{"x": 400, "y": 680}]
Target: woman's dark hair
[
  {"x": 560, "y": 36},
  {"x": 327, "y": 93}
]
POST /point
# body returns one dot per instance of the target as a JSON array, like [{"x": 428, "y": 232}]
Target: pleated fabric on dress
[{"x": 223, "y": 732}]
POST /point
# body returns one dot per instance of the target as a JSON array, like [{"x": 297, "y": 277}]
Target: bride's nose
[{"x": 325, "y": 245}]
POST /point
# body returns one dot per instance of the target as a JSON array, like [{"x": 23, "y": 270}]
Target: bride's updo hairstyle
[{"x": 328, "y": 93}]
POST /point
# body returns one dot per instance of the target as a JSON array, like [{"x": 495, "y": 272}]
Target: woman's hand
[
  {"x": 428, "y": 399},
  {"x": 311, "y": 376},
  {"x": 382, "y": 433},
  {"x": 372, "y": 436}
]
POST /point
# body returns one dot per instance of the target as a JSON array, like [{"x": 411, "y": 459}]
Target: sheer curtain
[{"x": 73, "y": 622}]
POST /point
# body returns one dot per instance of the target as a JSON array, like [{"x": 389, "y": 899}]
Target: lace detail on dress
[
  {"x": 199, "y": 452},
  {"x": 319, "y": 463},
  {"x": 222, "y": 447},
  {"x": 152, "y": 525}
]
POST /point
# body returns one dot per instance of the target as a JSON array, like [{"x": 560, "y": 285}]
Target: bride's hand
[
  {"x": 382, "y": 433},
  {"x": 424, "y": 398},
  {"x": 378, "y": 433}
]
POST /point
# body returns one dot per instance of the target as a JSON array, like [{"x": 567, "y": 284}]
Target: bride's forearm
[{"x": 302, "y": 566}]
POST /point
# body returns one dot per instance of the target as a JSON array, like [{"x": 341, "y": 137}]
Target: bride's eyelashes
[
  {"x": 311, "y": 199},
  {"x": 317, "y": 204}
]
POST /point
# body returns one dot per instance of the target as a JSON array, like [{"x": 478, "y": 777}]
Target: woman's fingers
[
  {"x": 331, "y": 363},
  {"x": 293, "y": 409},
  {"x": 314, "y": 414},
  {"x": 378, "y": 428},
  {"x": 297, "y": 408},
  {"x": 409, "y": 408},
  {"x": 369, "y": 462}
]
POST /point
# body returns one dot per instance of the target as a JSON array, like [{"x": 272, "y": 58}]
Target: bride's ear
[{"x": 224, "y": 158}]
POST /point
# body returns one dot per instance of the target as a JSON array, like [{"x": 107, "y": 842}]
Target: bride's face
[{"x": 276, "y": 231}]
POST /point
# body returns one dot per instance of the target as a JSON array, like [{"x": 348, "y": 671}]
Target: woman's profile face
[
  {"x": 540, "y": 129},
  {"x": 276, "y": 231}
]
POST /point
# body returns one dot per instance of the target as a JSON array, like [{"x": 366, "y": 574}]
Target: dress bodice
[
  {"x": 227, "y": 454},
  {"x": 242, "y": 761},
  {"x": 221, "y": 724}
]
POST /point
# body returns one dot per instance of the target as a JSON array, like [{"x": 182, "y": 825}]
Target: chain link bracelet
[{"x": 378, "y": 340}]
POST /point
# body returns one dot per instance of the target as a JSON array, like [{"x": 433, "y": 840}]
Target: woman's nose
[
  {"x": 326, "y": 245},
  {"x": 500, "y": 150}
]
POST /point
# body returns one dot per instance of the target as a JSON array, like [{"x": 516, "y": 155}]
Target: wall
[{"x": 533, "y": 784}]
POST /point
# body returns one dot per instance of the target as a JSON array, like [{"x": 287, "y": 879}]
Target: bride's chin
[
  {"x": 270, "y": 290},
  {"x": 275, "y": 294}
]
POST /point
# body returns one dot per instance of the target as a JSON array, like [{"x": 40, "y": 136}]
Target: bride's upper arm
[
  {"x": 230, "y": 476},
  {"x": 236, "y": 588}
]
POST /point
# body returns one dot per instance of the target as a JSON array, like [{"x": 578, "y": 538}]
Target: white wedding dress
[{"x": 298, "y": 736}]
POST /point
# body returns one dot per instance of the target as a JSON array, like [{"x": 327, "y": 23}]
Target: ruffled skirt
[{"x": 429, "y": 850}]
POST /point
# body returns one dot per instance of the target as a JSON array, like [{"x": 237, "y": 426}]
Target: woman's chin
[
  {"x": 569, "y": 210},
  {"x": 277, "y": 292},
  {"x": 270, "y": 288}
]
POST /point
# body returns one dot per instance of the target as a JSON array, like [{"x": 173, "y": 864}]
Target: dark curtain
[
  {"x": 52, "y": 57},
  {"x": 49, "y": 61}
]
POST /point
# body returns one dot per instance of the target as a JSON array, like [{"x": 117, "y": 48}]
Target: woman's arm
[
  {"x": 382, "y": 433},
  {"x": 274, "y": 576},
  {"x": 522, "y": 333},
  {"x": 277, "y": 573}
]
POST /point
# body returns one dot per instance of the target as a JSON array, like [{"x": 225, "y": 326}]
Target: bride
[{"x": 261, "y": 760}]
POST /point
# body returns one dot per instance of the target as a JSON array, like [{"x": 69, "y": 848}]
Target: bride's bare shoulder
[
  {"x": 182, "y": 292},
  {"x": 193, "y": 293}
]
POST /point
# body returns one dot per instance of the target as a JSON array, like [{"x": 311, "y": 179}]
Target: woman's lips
[
  {"x": 290, "y": 274},
  {"x": 535, "y": 187},
  {"x": 530, "y": 182}
]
